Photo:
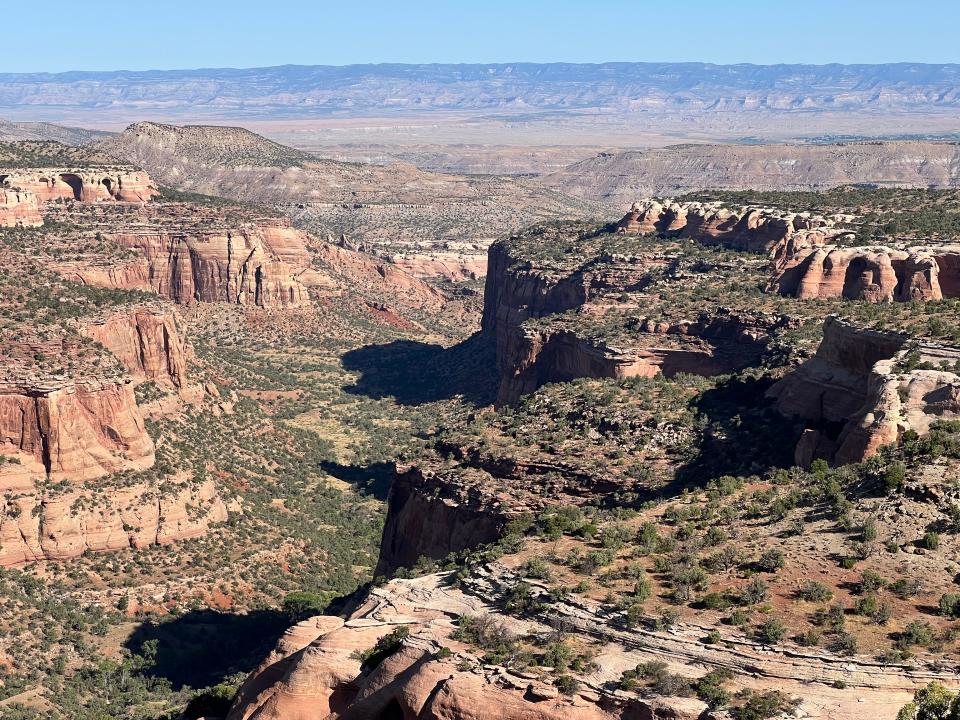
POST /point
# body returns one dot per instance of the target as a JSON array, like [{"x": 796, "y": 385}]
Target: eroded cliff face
[
  {"x": 72, "y": 430},
  {"x": 88, "y": 184},
  {"x": 19, "y": 208},
  {"x": 874, "y": 274},
  {"x": 146, "y": 341},
  {"x": 758, "y": 230},
  {"x": 429, "y": 517},
  {"x": 62, "y": 435},
  {"x": 258, "y": 265},
  {"x": 864, "y": 389},
  {"x": 44, "y": 526}
]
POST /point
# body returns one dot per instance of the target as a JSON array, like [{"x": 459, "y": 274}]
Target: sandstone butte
[{"x": 80, "y": 429}]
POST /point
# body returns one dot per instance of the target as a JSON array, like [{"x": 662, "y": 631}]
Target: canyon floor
[{"x": 515, "y": 446}]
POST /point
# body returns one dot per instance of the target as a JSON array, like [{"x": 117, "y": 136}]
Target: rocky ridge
[
  {"x": 19, "y": 208},
  {"x": 619, "y": 178}
]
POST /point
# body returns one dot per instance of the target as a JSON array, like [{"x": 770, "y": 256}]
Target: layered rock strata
[
  {"x": 874, "y": 274},
  {"x": 752, "y": 229},
  {"x": 19, "y": 208},
  {"x": 264, "y": 264},
  {"x": 864, "y": 389},
  {"x": 68, "y": 524},
  {"x": 88, "y": 184},
  {"x": 72, "y": 430}
]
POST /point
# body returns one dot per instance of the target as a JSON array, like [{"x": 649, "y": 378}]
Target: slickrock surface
[
  {"x": 863, "y": 381},
  {"x": 19, "y": 208},
  {"x": 312, "y": 673}
]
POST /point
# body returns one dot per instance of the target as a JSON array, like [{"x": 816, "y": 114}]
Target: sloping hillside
[{"x": 620, "y": 178}]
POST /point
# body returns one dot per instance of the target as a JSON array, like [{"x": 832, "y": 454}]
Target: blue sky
[{"x": 57, "y": 35}]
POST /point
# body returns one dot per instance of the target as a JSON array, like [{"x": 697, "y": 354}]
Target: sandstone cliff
[
  {"x": 42, "y": 526},
  {"x": 874, "y": 274},
  {"x": 861, "y": 391},
  {"x": 87, "y": 184},
  {"x": 72, "y": 430},
  {"x": 254, "y": 264},
  {"x": 19, "y": 208},
  {"x": 146, "y": 341},
  {"x": 759, "y": 230},
  {"x": 430, "y": 517}
]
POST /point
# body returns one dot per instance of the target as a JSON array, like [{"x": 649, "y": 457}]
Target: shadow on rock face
[
  {"x": 415, "y": 373},
  {"x": 204, "y": 647}
]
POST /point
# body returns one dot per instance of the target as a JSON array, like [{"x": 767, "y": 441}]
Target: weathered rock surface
[
  {"x": 257, "y": 264},
  {"x": 43, "y": 526},
  {"x": 88, "y": 184},
  {"x": 314, "y": 672},
  {"x": 859, "y": 393},
  {"x": 73, "y": 430},
  {"x": 429, "y": 517},
  {"x": 146, "y": 341},
  {"x": 874, "y": 274},
  {"x": 321, "y": 677},
  {"x": 752, "y": 229},
  {"x": 19, "y": 208}
]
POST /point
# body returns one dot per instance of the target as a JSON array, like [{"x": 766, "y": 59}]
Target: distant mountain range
[{"x": 295, "y": 91}]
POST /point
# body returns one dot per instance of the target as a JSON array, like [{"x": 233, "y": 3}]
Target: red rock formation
[
  {"x": 760, "y": 230},
  {"x": 314, "y": 671},
  {"x": 146, "y": 341},
  {"x": 48, "y": 526},
  {"x": 256, "y": 265},
  {"x": 428, "y": 517},
  {"x": 875, "y": 274},
  {"x": 72, "y": 430},
  {"x": 19, "y": 208},
  {"x": 858, "y": 397},
  {"x": 123, "y": 184}
]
